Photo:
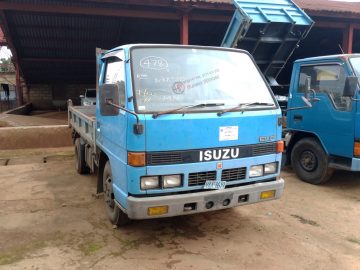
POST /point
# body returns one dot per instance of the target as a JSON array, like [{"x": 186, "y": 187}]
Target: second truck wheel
[{"x": 310, "y": 161}]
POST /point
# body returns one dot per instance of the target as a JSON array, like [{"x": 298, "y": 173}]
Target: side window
[
  {"x": 328, "y": 79},
  {"x": 114, "y": 72},
  {"x": 114, "y": 81}
]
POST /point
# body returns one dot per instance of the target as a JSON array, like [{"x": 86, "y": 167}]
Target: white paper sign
[{"x": 230, "y": 133}]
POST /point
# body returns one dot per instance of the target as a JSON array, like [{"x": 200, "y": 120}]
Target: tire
[
  {"x": 310, "y": 162},
  {"x": 80, "y": 164},
  {"x": 114, "y": 213}
]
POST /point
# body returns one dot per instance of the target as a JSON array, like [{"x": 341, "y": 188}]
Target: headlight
[
  {"x": 170, "y": 181},
  {"x": 149, "y": 182},
  {"x": 256, "y": 171},
  {"x": 270, "y": 168}
]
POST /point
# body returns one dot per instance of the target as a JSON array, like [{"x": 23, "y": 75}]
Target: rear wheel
[
  {"x": 310, "y": 162},
  {"x": 115, "y": 214},
  {"x": 80, "y": 164}
]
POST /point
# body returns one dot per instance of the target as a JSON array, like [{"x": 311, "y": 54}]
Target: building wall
[{"x": 49, "y": 97}]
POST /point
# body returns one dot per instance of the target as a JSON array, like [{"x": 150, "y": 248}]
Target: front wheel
[
  {"x": 115, "y": 214},
  {"x": 310, "y": 162}
]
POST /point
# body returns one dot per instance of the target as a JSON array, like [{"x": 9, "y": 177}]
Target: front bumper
[
  {"x": 137, "y": 208},
  {"x": 355, "y": 164}
]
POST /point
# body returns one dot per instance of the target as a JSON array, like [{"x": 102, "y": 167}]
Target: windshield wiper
[
  {"x": 200, "y": 105},
  {"x": 245, "y": 105}
]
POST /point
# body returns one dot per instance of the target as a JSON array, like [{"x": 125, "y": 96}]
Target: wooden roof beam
[
  {"x": 114, "y": 12},
  {"x": 172, "y": 14},
  {"x": 58, "y": 60}
]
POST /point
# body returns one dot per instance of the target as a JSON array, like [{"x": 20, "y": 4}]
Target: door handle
[{"x": 298, "y": 117}]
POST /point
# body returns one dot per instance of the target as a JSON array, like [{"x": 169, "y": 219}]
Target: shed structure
[{"x": 53, "y": 41}]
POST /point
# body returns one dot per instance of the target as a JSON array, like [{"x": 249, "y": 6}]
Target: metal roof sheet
[{"x": 330, "y": 6}]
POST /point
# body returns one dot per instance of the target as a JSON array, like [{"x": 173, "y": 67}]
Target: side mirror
[
  {"x": 110, "y": 92},
  {"x": 350, "y": 86}
]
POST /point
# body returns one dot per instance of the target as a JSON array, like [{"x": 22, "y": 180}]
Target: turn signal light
[
  {"x": 279, "y": 146},
  {"x": 269, "y": 194},
  {"x": 357, "y": 149},
  {"x": 136, "y": 159},
  {"x": 158, "y": 210}
]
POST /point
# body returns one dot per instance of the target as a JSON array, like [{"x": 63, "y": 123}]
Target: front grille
[
  {"x": 233, "y": 174},
  {"x": 264, "y": 149},
  {"x": 193, "y": 156},
  {"x": 164, "y": 158},
  {"x": 201, "y": 177}
]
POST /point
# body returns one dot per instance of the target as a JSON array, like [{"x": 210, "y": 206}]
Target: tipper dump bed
[{"x": 270, "y": 30}]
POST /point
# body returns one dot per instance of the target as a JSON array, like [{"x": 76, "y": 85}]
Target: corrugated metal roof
[
  {"x": 330, "y": 6},
  {"x": 312, "y": 5},
  {"x": 73, "y": 36}
]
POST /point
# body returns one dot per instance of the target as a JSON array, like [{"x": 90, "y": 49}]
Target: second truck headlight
[{"x": 170, "y": 181}]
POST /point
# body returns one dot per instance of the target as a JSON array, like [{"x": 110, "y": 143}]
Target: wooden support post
[
  {"x": 184, "y": 29},
  {"x": 348, "y": 37},
  {"x": 19, "y": 94}
]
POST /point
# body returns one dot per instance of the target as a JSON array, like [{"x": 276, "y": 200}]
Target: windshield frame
[
  {"x": 211, "y": 48},
  {"x": 352, "y": 65}
]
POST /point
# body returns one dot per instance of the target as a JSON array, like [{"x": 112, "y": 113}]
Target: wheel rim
[
  {"x": 308, "y": 161},
  {"x": 108, "y": 193}
]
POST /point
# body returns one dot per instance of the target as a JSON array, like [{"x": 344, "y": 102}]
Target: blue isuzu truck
[{"x": 178, "y": 130}]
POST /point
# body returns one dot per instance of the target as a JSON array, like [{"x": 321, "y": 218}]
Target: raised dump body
[{"x": 270, "y": 30}]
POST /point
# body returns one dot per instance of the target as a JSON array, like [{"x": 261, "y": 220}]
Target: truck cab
[
  {"x": 325, "y": 136},
  {"x": 179, "y": 130}
]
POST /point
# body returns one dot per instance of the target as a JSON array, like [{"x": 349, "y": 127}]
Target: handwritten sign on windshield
[{"x": 154, "y": 62}]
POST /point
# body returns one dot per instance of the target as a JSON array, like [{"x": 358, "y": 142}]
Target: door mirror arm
[
  {"x": 138, "y": 128},
  {"x": 314, "y": 98}
]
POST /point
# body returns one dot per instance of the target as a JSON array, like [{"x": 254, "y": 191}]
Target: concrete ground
[{"x": 49, "y": 219}]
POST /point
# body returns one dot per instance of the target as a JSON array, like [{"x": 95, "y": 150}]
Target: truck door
[
  {"x": 331, "y": 117},
  {"x": 111, "y": 129}
]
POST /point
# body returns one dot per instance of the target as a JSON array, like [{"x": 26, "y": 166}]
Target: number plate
[{"x": 214, "y": 184}]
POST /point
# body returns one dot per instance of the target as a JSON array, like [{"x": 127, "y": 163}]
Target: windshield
[
  {"x": 170, "y": 78},
  {"x": 355, "y": 62}
]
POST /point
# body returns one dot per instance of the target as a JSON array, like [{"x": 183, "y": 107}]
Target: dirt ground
[
  {"x": 37, "y": 118},
  {"x": 49, "y": 219}
]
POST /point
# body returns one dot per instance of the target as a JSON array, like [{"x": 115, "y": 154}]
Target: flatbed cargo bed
[{"x": 83, "y": 120}]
